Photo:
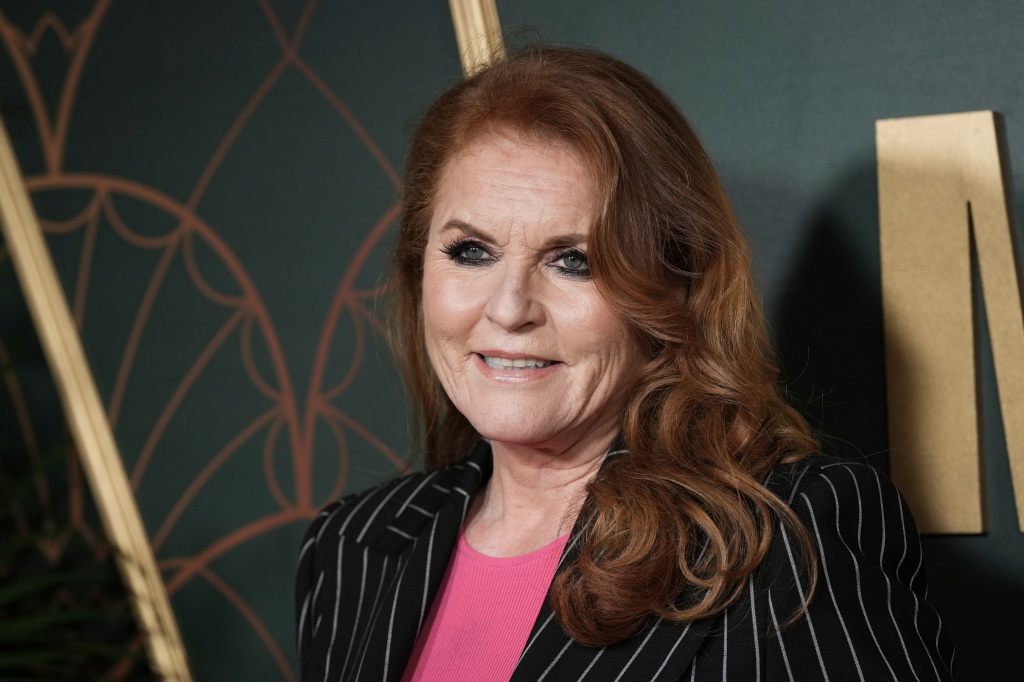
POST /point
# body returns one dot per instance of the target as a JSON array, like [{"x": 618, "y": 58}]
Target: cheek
[
  {"x": 450, "y": 306},
  {"x": 593, "y": 325},
  {"x": 605, "y": 338}
]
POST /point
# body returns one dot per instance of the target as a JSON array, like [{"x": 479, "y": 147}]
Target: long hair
[{"x": 675, "y": 527}]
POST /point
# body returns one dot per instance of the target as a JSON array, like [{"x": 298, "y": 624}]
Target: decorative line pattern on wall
[{"x": 198, "y": 375}]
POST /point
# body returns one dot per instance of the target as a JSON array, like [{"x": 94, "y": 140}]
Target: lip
[{"x": 513, "y": 376}]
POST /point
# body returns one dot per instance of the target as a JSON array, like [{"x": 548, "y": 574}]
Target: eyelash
[
  {"x": 455, "y": 250},
  {"x": 578, "y": 253}
]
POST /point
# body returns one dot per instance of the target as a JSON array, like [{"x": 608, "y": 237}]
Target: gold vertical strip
[
  {"x": 934, "y": 174},
  {"x": 989, "y": 192},
  {"x": 929, "y": 337},
  {"x": 87, "y": 421},
  {"x": 477, "y": 32}
]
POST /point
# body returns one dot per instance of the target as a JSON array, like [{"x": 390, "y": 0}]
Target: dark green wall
[{"x": 785, "y": 96}]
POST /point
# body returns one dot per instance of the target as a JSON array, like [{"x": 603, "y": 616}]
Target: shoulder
[
  {"x": 866, "y": 616},
  {"x": 851, "y": 510},
  {"x": 396, "y": 510},
  {"x": 822, "y": 481},
  {"x": 359, "y": 514},
  {"x": 813, "y": 470}
]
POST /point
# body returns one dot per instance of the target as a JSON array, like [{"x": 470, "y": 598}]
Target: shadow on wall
[
  {"x": 828, "y": 323},
  {"x": 830, "y": 338}
]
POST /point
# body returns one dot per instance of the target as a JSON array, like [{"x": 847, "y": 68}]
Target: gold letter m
[{"x": 940, "y": 182}]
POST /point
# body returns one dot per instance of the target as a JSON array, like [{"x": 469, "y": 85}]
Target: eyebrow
[{"x": 572, "y": 239}]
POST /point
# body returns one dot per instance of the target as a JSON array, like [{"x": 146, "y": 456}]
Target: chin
[
  {"x": 514, "y": 431},
  {"x": 516, "y": 435}
]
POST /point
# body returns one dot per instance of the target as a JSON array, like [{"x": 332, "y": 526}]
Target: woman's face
[{"x": 522, "y": 341}]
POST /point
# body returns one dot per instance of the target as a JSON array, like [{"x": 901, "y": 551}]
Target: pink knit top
[{"x": 482, "y": 614}]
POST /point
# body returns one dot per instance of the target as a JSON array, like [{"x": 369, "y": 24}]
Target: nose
[{"x": 513, "y": 303}]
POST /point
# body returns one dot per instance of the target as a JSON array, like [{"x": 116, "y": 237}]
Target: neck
[{"x": 532, "y": 497}]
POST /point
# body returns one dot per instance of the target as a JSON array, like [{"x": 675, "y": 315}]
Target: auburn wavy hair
[{"x": 675, "y": 527}]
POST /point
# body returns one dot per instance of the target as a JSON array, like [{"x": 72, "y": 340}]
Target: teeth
[{"x": 519, "y": 363}]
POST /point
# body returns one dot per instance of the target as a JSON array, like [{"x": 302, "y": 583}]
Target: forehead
[{"x": 503, "y": 177}]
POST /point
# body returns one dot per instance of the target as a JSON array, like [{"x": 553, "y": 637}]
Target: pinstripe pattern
[{"x": 371, "y": 564}]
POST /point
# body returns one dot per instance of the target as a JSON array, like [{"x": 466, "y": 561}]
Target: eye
[
  {"x": 572, "y": 262},
  {"x": 467, "y": 252},
  {"x": 473, "y": 252}
]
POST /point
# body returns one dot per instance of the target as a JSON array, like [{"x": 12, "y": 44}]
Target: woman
[{"x": 616, "y": 489}]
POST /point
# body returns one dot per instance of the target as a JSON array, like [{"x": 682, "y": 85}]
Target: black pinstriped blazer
[{"x": 371, "y": 564}]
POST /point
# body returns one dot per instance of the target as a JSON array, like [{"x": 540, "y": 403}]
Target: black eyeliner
[
  {"x": 454, "y": 250},
  {"x": 573, "y": 251}
]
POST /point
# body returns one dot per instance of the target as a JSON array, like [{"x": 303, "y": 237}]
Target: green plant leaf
[
  {"x": 17, "y": 628},
  {"x": 32, "y": 584}
]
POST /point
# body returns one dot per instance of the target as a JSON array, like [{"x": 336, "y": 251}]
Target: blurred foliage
[{"x": 63, "y": 610}]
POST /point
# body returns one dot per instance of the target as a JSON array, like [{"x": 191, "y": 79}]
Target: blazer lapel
[
  {"x": 661, "y": 650},
  {"x": 420, "y": 541}
]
